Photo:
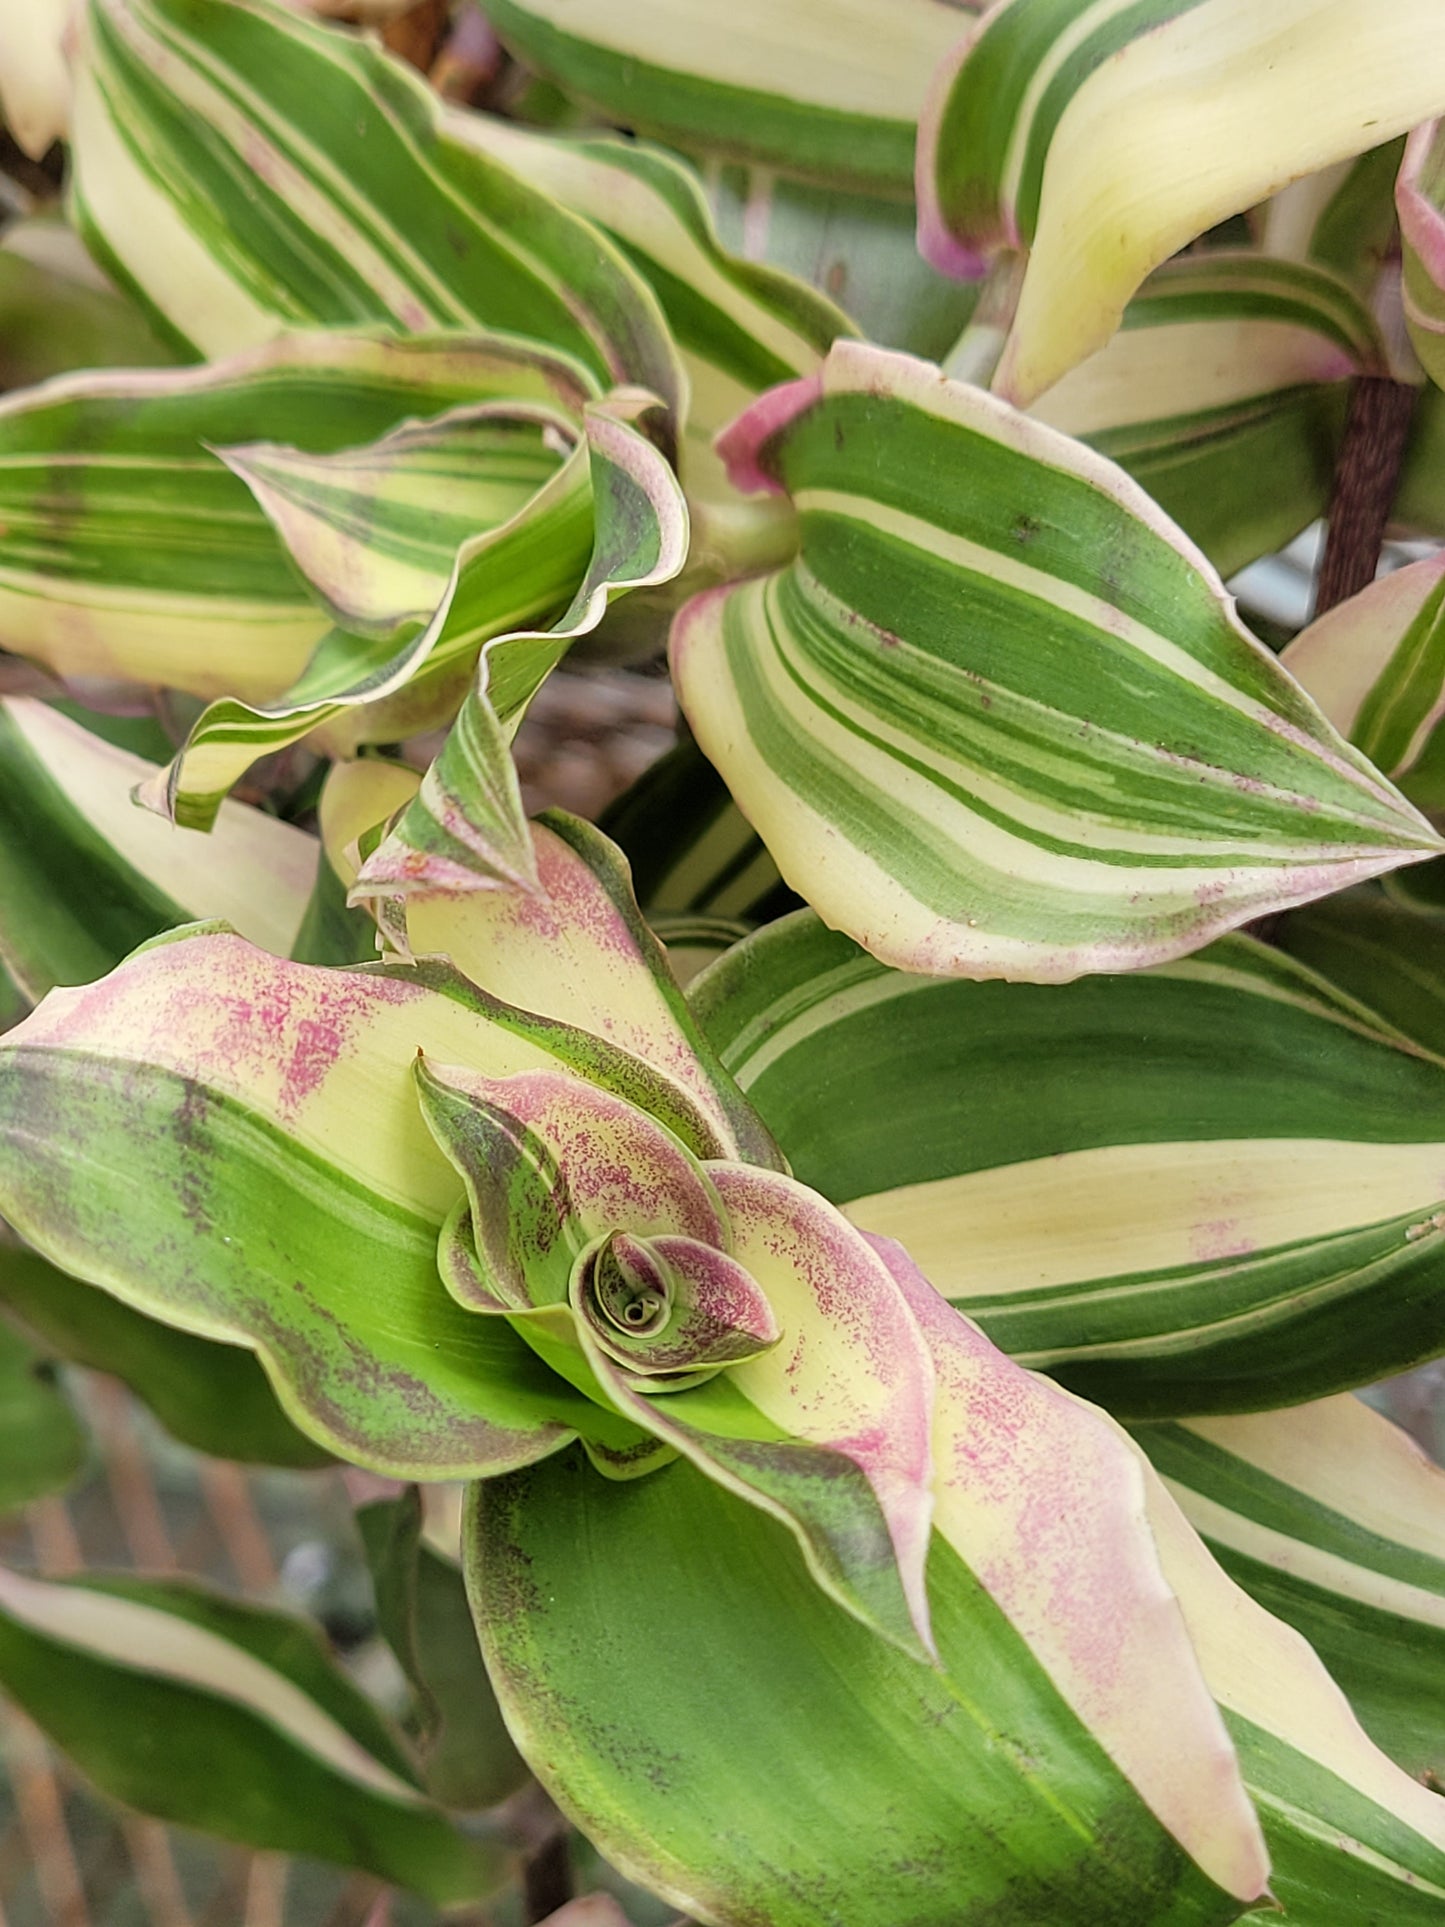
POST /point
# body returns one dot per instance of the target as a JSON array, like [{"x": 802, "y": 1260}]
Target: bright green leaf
[{"x": 42, "y": 1446}]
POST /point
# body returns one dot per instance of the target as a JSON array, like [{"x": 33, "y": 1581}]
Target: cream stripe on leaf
[
  {"x": 1012, "y": 727},
  {"x": 609, "y": 518},
  {"x": 1166, "y": 1224},
  {"x": 1101, "y": 136},
  {"x": 827, "y": 88},
  {"x": 230, "y": 1718},
  {"x": 1334, "y": 1519},
  {"x": 1223, "y": 394},
  {"x": 129, "y": 552},
  {"x": 690, "y": 848},
  {"x": 243, "y": 168},
  {"x": 1353, "y": 1839},
  {"x": 85, "y": 876},
  {"x": 1376, "y": 665}
]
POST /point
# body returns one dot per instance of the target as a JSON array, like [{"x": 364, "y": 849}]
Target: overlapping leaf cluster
[{"x": 367, "y": 1118}]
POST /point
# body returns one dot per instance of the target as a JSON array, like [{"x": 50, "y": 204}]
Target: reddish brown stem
[{"x": 1367, "y": 475}]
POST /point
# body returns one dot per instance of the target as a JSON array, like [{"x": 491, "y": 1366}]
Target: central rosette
[
  {"x": 670, "y": 1311},
  {"x": 719, "y": 1310}
]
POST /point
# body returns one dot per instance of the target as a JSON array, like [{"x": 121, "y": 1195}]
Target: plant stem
[
  {"x": 547, "y": 1876},
  {"x": 1367, "y": 475}
]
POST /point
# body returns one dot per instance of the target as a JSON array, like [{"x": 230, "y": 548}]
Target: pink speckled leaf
[
  {"x": 551, "y": 1164},
  {"x": 573, "y": 946},
  {"x": 829, "y": 1428},
  {"x": 1045, "y": 1504},
  {"x": 231, "y": 1143}
]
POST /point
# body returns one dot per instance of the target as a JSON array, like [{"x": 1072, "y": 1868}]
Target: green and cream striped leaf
[
  {"x": 1167, "y": 1224},
  {"x": 376, "y": 530},
  {"x": 690, "y": 848},
  {"x": 85, "y": 876},
  {"x": 740, "y": 327},
  {"x": 827, "y": 88},
  {"x": 1223, "y": 394},
  {"x": 1101, "y": 138},
  {"x": 1341, "y": 217},
  {"x": 1334, "y": 1519},
  {"x": 859, "y": 250},
  {"x": 129, "y": 551},
  {"x": 255, "y": 1163},
  {"x": 1385, "y": 948},
  {"x": 1353, "y": 1840},
  {"x": 1014, "y": 728},
  {"x": 356, "y": 690},
  {"x": 42, "y": 1444},
  {"x": 245, "y": 169},
  {"x": 230, "y": 1718},
  {"x": 1420, "y": 201},
  {"x": 214, "y": 1398},
  {"x": 1375, "y": 664},
  {"x": 465, "y": 829}
]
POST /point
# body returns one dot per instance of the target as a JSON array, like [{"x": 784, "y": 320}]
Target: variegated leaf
[
  {"x": 1386, "y": 949},
  {"x": 376, "y": 530},
  {"x": 1420, "y": 199},
  {"x": 859, "y": 249},
  {"x": 573, "y": 947},
  {"x": 1341, "y": 218},
  {"x": 828, "y": 88},
  {"x": 127, "y": 550},
  {"x": 739, "y": 327},
  {"x": 465, "y": 829},
  {"x": 246, "y": 169},
  {"x": 1207, "y": 1187},
  {"x": 85, "y": 876},
  {"x": 1334, "y": 1519},
  {"x": 1353, "y": 1840},
  {"x": 1223, "y": 394},
  {"x": 255, "y": 1162},
  {"x": 1376, "y": 666},
  {"x": 690, "y": 848},
  {"x": 1101, "y": 139},
  {"x": 1011, "y": 726},
  {"x": 42, "y": 1445},
  {"x": 358, "y": 690},
  {"x": 229, "y": 1718}
]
